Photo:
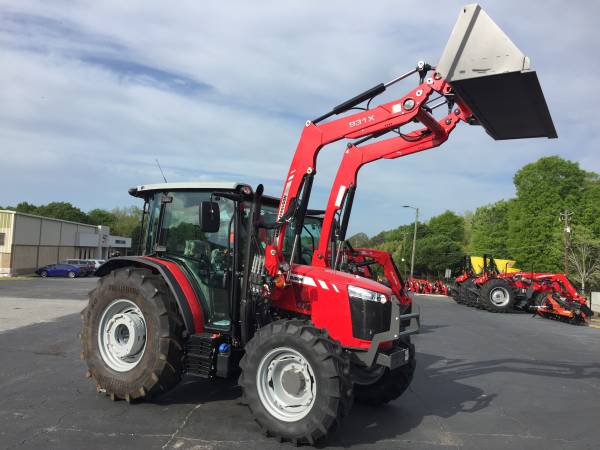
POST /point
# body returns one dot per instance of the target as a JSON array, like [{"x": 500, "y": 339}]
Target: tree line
[
  {"x": 122, "y": 221},
  {"x": 553, "y": 219}
]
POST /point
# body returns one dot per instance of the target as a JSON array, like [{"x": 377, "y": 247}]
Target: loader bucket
[{"x": 493, "y": 78}]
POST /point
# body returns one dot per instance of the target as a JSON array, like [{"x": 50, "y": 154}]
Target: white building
[{"x": 28, "y": 242}]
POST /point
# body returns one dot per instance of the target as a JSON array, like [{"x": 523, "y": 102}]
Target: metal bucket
[{"x": 493, "y": 77}]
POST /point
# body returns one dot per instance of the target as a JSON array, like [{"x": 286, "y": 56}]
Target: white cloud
[{"x": 91, "y": 92}]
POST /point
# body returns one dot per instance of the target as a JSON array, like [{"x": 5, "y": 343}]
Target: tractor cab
[
  {"x": 200, "y": 226},
  {"x": 203, "y": 228}
]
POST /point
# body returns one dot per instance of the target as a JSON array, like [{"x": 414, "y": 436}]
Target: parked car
[
  {"x": 59, "y": 270},
  {"x": 85, "y": 266},
  {"x": 97, "y": 262}
]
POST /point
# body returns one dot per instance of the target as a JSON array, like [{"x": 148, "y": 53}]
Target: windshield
[{"x": 309, "y": 238}]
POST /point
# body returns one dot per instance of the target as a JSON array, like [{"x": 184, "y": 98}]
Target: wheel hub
[
  {"x": 126, "y": 334},
  {"x": 286, "y": 384},
  {"x": 293, "y": 382},
  {"x": 499, "y": 296},
  {"x": 122, "y": 335}
]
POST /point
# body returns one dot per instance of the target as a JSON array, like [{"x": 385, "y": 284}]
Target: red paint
[
  {"x": 190, "y": 296},
  {"x": 323, "y": 296},
  {"x": 384, "y": 259}
]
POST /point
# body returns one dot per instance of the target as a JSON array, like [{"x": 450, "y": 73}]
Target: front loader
[{"x": 220, "y": 292}]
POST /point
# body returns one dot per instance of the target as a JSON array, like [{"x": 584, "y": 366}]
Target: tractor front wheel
[
  {"x": 132, "y": 335},
  {"x": 382, "y": 385},
  {"x": 296, "y": 381}
]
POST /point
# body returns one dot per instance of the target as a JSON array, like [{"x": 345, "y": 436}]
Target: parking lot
[{"x": 483, "y": 381}]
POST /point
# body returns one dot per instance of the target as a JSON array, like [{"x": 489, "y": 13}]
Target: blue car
[{"x": 59, "y": 270}]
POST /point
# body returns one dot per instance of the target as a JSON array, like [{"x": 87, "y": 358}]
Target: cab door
[{"x": 207, "y": 256}]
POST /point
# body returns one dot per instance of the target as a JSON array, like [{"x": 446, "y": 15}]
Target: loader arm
[
  {"x": 355, "y": 157},
  {"x": 384, "y": 259},
  {"x": 372, "y": 122}
]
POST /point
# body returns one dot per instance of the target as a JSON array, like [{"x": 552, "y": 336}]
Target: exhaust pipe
[{"x": 494, "y": 78}]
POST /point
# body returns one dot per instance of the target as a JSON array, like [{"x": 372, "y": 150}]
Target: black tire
[
  {"x": 390, "y": 385},
  {"x": 453, "y": 292},
  {"x": 43, "y": 274},
  {"x": 331, "y": 369},
  {"x": 463, "y": 293},
  {"x": 71, "y": 274},
  {"x": 498, "y": 285},
  {"x": 161, "y": 364},
  {"x": 539, "y": 298}
]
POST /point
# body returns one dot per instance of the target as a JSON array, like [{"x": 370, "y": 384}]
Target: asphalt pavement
[{"x": 483, "y": 380}]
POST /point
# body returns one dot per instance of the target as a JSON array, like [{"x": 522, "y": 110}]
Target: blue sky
[{"x": 92, "y": 92}]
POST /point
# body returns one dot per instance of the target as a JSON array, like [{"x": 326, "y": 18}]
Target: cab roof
[{"x": 143, "y": 190}]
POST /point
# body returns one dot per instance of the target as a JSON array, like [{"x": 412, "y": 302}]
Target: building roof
[
  {"x": 138, "y": 191},
  {"x": 19, "y": 213}
]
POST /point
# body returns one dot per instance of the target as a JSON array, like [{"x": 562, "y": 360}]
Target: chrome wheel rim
[
  {"x": 122, "y": 335},
  {"x": 499, "y": 296},
  {"x": 286, "y": 384}
]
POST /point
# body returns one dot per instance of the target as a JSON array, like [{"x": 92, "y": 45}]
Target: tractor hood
[
  {"x": 335, "y": 280},
  {"x": 494, "y": 78}
]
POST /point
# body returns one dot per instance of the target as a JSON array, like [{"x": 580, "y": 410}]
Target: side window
[{"x": 152, "y": 225}]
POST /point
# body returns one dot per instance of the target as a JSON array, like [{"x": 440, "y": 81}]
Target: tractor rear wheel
[
  {"x": 132, "y": 335},
  {"x": 382, "y": 385},
  {"x": 296, "y": 381},
  {"x": 498, "y": 296},
  {"x": 461, "y": 294}
]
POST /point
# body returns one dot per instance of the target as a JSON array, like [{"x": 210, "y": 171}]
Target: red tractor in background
[
  {"x": 421, "y": 286},
  {"x": 226, "y": 288},
  {"x": 550, "y": 295},
  {"x": 440, "y": 288}
]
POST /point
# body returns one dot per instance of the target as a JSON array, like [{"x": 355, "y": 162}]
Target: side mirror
[{"x": 209, "y": 217}]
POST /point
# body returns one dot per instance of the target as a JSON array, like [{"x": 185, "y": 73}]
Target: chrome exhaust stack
[{"x": 494, "y": 79}]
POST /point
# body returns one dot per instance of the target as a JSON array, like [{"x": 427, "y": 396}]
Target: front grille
[{"x": 369, "y": 317}]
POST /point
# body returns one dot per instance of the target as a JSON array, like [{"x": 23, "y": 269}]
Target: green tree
[
  {"x": 63, "y": 211},
  {"x": 102, "y": 217},
  {"x": 544, "y": 189},
  {"x": 489, "y": 230},
  {"x": 27, "y": 208},
  {"x": 584, "y": 257},
  {"x": 359, "y": 240},
  {"x": 588, "y": 213},
  {"x": 435, "y": 253},
  {"x": 448, "y": 224},
  {"x": 126, "y": 220}
]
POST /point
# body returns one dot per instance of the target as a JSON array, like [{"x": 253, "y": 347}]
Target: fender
[{"x": 187, "y": 301}]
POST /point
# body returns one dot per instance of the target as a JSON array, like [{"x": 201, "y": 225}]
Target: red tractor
[
  {"x": 548, "y": 294},
  {"x": 467, "y": 286},
  {"x": 225, "y": 287},
  {"x": 421, "y": 286},
  {"x": 440, "y": 288},
  {"x": 457, "y": 287}
]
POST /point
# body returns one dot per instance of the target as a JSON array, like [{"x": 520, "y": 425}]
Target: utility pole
[
  {"x": 565, "y": 217},
  {"x": 412, "y": 259}
]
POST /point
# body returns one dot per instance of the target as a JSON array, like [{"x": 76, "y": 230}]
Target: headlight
[{"x": 366, "y": 294}]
